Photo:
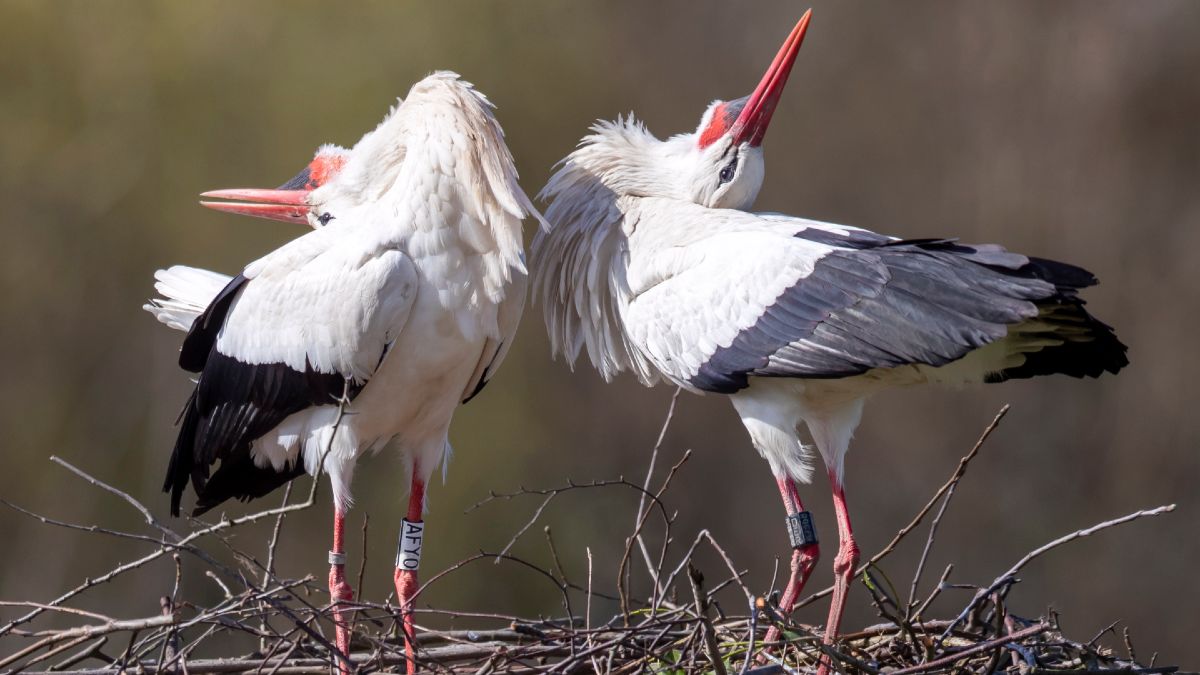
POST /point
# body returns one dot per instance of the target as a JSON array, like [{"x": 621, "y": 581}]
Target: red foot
[
  {"x": 843, "y": 566},
  {"x": 406, "y": 588},
  {"x": 340, "y": 592},
  {"x": 407, "y": 559},
  {"x": 804, "y": 559},
  {"x": 339, "y": 589},
  {"x": 843, "y": 569}
]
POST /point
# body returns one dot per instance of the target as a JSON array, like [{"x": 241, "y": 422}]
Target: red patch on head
[
  {"x": 322, "y": 169},
  {"x": 718, "y": 125}
]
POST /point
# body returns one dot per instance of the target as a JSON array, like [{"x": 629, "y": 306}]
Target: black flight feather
[
  {"x": 235, "y": 403},
  {"x": 875, "y": 302}
]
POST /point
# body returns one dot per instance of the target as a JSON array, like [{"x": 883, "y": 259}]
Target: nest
[{"x": 678, "y": 627}]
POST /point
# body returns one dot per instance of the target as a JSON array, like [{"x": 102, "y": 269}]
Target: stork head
[
  {"x": 725, "y": 151},
  {"x": 290, "y": 201}
]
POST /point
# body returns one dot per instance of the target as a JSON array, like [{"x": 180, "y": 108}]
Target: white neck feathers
[{"x": 579, "y": 259}]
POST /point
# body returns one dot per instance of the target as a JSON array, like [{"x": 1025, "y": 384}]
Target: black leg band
[{"x": 801, "y": 530}]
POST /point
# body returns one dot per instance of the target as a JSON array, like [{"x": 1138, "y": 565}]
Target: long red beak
[
  {"x": 290, "y": 206},
  {"x": 751, "y": 125}
]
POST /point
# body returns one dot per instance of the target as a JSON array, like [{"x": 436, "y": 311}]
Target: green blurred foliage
[{"x": 1067, "y": 130}]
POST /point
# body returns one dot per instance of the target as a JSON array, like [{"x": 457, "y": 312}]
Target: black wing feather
[
  {"x": 234, "y": 403},
  {"x": 203, "y": 334},
  {"x": 880, "y": 303}
]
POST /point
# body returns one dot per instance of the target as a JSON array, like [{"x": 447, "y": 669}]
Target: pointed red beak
[
  {"x": 290, "y": 206},
  {"x": 751, "y": 125}
]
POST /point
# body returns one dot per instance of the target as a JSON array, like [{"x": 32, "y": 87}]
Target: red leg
[
  {"x": 843, "y": 568},
  {"x": 340, "y": 591},
  {"x": 408, "y": 559},
  {"x": 804, "y": 553}
]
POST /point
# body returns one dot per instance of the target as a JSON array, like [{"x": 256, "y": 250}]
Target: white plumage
[
  {"x": 407, "y": 294},
  {"x": 186, "y": 292},
  {"x": 422, "y": 233},
  {"x": 652, "y": 266}
]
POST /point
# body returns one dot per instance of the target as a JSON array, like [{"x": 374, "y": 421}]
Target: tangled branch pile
[{"x": 680, "y": 627}]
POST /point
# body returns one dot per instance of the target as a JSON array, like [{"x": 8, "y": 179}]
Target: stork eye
[
  {"x": 728, "y": 170},
  {"x": 324, "y": 218}
]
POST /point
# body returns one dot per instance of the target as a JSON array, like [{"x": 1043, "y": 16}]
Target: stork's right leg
[
  {"x": 340, "y": 591},
  {"x": 844, "y": 567},
  {"x": 805, "y": 550},
  {"x": 408, "y": 559}
]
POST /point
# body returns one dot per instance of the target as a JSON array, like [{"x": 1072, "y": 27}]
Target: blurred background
[{"x": 1067, "y": 130}]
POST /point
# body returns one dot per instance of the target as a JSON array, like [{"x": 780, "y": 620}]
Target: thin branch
[
  {"x": 954, "y": 478},
  {"x": 224, "y": 524},
  {"x": 710, "y": 637},
  {"x": 933, "y": 528},
  {"x": 973, "y": 649},
  {"x": 267, "y": 573},
  {"x": 141, "y": 508},
  {"x": 657, "y": 497},
  {"x": 638, "y": 519},
  {"x": 549, "y": 494},
  {"x": 1010, "y": 575},
  {"x": 654, "y": 632}
]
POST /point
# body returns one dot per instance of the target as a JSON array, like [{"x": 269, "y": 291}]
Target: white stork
[
  {"x": 405, "y": 298},
  {"x": 653, "y": 266}
]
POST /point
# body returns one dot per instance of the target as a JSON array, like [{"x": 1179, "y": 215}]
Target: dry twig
[{"x": 650, "y": 634}]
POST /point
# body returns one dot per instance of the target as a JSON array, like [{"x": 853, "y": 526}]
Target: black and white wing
[
  {"x": 299, "y": 328},
  {"x": 786, "y": 297}
]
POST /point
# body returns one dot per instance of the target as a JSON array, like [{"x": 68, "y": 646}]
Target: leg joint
[{"x": 847, "y": 559}]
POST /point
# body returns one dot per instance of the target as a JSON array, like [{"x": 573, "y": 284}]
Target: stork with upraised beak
[{"x": 653, "y": 265}]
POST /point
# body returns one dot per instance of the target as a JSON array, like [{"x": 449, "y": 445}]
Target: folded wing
[
  {"x": 302, "y": 331},
  {"x": 809, "y": 300}
]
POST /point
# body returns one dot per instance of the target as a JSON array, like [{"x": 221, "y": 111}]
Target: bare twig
[
  {"x": 657, "y": 497},
  {"x": 549, "y": 494},
  {"x": 91, "y": 651},
  {"x": 652, "y": 633},
  {"x": 90, "y": 631},
  {"x": 287, "y": 494},
  {"x": 973, "y": 649},
  {"x": 362, "y": 565},
  {"x": 558, "y": 566},
  {"x": 150, "y": 519},
  {"x": 934, "y": 593},
  {"x": 953, "y": 480},
  {"x": 1007, "y": 577},
  {"x": 696, "y": 581},
  {"x": 662, "y": 434},
  {"x": 933, "y": 527}
]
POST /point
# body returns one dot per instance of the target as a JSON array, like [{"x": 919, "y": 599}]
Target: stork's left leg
[
  {"x": 843, "y": 567},
  {"x": 408, "y": 559},
  {"x": 805, "y": 550},
  {"x": 340, "y": 591}
]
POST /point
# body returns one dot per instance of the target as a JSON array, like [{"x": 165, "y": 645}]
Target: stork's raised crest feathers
[
  {"x": 400, "y": 304},
  {"x": 652, "y": 265}
]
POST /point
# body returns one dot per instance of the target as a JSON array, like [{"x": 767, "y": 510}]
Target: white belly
[{"x": 408, "y": 403}]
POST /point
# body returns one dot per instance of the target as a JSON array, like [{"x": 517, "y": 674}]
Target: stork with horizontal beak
[
  {"x": 653, "y": 265},
  {"x": 397, "y": 307}
]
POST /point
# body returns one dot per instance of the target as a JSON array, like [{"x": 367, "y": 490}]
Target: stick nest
[{"x": 679, "y": 627}]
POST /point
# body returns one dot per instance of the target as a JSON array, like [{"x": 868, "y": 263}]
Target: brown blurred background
[{"x": 1068, "y": 130}]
